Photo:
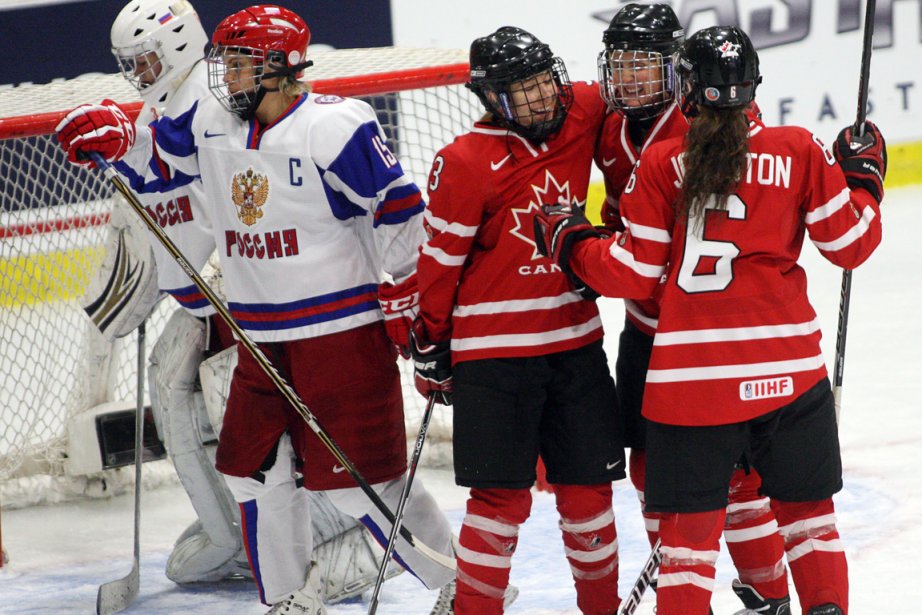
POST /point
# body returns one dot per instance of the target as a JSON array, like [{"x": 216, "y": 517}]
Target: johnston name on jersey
[
  {"x": 308, "y": 212},
  {"x": 737, "y": 336},
  {"x": 483, "y": 283}
]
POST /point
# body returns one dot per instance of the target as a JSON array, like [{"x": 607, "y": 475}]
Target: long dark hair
[{"x": 716, "y": 155}]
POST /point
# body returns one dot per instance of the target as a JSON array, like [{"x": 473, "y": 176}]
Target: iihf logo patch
[
  {"x": 712, "y": 94},
  {"x": 770, "y": 387},
  {"x": 328, "y": 99}
]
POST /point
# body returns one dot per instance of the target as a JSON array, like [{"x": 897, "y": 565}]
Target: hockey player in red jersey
[
  {"x": 636, "y": 80},
  {"x": 736, "y": 366},
  {"x": 507, "y": 337}
]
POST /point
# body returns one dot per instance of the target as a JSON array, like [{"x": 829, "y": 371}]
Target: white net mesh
[{"x": 53, "y": 363}]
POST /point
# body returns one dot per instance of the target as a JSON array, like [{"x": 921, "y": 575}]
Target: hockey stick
[
  {"x": 846, "y": 290},
  {"x": 115, "y": 596},
  {"x": 643, "y": 581},
  {"x": 270, "y": 370},
  {"x": 404, "y": 496}
]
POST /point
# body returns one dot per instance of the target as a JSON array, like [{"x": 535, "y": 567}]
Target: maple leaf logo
[{"x": 552, "y": 193}]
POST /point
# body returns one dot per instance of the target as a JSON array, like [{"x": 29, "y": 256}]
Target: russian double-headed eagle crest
[{"x": 249, "y": 190}]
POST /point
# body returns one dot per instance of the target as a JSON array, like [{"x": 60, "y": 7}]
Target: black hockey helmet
[
  {"x": 640, "y": 36},
  {"x": 500, "y": 62},
  {"x": 717, "y": 67}
]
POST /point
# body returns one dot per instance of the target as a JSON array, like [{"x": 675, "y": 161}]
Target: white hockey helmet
[{"x": 156, "y": 42}]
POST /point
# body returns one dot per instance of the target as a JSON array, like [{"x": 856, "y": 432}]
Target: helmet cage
[
  {"x": 235, "y": 77},
  {"x": 499, "y": 93},
  {"x": 144, "y": 64},
  {"x": 637, "y": 83},
  {"x": 636, "y": 70},
  {"x": 152, "y": 34}
]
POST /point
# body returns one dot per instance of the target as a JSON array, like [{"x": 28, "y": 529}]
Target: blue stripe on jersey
[
  {"x": 190, "y": 297},
  {"x": 174, "y": 134},
  {"x": 358, "y": 157},
  {"x": 340, "y": 206},
  {"x": 314, "y": 310},
  {"x": 399, "y": 205},
  {"x": 256, "y": 132},
  {"x": 157, "y": 185}
]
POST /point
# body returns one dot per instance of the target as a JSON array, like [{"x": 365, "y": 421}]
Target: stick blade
[{"x": 115, "y": 596}]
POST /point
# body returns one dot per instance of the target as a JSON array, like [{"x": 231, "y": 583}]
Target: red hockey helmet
[
  {"x": 280, "y": 34},
  {"x": 270, "y": 40}
]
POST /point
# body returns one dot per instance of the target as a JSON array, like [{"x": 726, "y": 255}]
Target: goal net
[{"x": 54, "y": 365}]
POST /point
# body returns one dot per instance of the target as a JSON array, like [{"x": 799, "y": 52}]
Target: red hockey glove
[
  {"x": 102, "y": 128},
  {"x": 557, "y": 229},
  {"x": 863, "y": 159},
  {"x": 432, "y": 362},
  {"x": 400, "y": 304}
]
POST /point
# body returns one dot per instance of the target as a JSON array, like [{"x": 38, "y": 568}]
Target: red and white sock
[
  {"x": 488, "y": 538},
  {"x": 590, "y": 541},
  {"x": 815, "y": 552},
  {"x": 752, "y": 537}
]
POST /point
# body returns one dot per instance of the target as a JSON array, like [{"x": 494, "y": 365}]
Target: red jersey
[
  {"x": 616, "y": 156},
  {"x": 737, "y": 336},
  {"x": 482, "y": 282}
]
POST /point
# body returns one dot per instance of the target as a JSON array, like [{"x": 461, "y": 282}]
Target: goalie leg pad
[
  {"x": 346, "y": 555},
  {"x": 215, "y": 375},
  {"x": 215, "y": 550},
  {"x": 124, "y": 289},
  {"x": 422, "y": 517}
]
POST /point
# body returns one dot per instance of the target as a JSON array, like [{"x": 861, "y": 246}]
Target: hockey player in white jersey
[
  {"x": 310, "y": 211},
  {"x": 159, "y": 46}
]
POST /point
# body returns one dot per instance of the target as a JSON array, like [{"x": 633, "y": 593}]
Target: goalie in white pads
[
  {"x": 309, "y": 208},
  {"x": 162, "y": 58}
]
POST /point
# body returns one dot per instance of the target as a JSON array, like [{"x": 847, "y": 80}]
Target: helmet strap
[
  {"x": 287, "y": 70},
  {"x": 505, "y": 106}
]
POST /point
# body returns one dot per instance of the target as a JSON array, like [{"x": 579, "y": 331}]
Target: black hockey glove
[
  {"x": 432, "y": 365},
  {"x": 863, "y": 159},
  {"x": 557, "y": 228}
]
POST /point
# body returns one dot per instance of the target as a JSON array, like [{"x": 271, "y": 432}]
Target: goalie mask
[
  {"x": 252, "y": 45},
  {"x": 717, "y": 67},
  {"x": 520, "y": 81},
  {"x": 636, "y": 74},
  {"x": 156, "y": 43}
]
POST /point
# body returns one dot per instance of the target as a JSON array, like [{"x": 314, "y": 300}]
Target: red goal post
[{"x": 53, "y": 364}]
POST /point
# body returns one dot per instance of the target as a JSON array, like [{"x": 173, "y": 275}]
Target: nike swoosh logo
[
  {"x": 214, "y": 134},
  {"x": 609, "y": 466},
  {"x": 607, "y": 163},
  {"x": 496, "y": 165},
  {"x": 338, "y": 469}
]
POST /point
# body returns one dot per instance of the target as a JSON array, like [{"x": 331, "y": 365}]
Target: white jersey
[
  {"x": 308, "y": 212},
  {"x": 179, "y": 210}
]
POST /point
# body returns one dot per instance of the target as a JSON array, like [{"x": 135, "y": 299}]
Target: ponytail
[{"x": 716, "y": 155}]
